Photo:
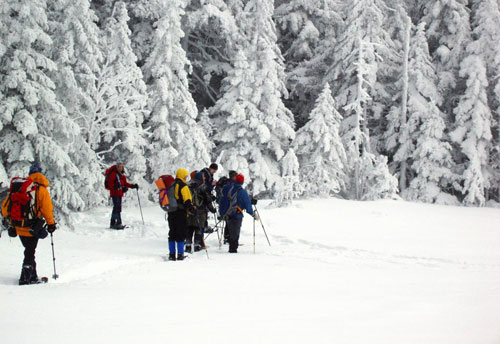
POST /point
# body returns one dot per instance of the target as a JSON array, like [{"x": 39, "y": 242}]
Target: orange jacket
[{"x": 43, "y": 208}]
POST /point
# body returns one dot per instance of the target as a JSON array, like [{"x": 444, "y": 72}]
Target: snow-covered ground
[{"x": 337, "y": 272}]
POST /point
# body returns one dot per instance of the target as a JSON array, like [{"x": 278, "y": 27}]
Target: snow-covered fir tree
[
  {"x": 253, "y": 126},
  {"x": 431, "y": 154},
  {"x": 78, "y": 56},
  {"x": 359, "y": 51},
  {"x": 117, "y": 133},
  {"x": 396, "y": 136},
  {"x": 448, "y": 33},
  {"x": 176, "y": 138},
  {"x": 211, "y": 40},
  {"x": 35, "y": 125},
  {"x": 320, "y": 149},
  {"x": 291, "y": 185},
  {"x": 486, "y": 31},
  {"x": 472, "y": 129}
]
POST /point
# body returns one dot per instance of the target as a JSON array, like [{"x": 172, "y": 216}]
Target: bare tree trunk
[{"x": 404, "y": 103}]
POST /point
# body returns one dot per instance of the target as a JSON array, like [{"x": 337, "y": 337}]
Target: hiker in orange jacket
[{"x": 30, "y": 235}]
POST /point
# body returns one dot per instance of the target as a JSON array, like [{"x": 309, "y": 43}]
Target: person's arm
[
  {"x": 5, "y": 207},
  {"x": 127, "y": 184},
  {"x": 187, "y": 199},
  {"x": 45, "y": 205},
  {"x": 245, "y": 202}
]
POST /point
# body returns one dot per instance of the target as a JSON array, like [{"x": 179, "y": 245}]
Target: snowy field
[{"x": 337, "y": 272}]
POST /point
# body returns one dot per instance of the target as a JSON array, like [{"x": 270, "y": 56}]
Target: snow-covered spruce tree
[
  {"x": 320, "y": 149},
  {"x": 376, "y": 180},
  {"x": 448, "y": 34},
  {"x": 210, "y": 42},
  {"x": 396, "y": 136},
  {"x": 358, "y": 55},
  {"x": 253, "y": 127},
  {"x": 291, "y": 186},
  {"x": 431, "y": 154},
  {"x": 176, "y": 139},
  {"x": 78, "y": 56},
  {"x": 472, "y": 129},
  {"x": 308, "y": 36},
  {"x": 302, "y": 24},
  {"x": 34, "y": 125},
  {"x": 116, "y": 132},
  {"x": 486, "y": 32}
]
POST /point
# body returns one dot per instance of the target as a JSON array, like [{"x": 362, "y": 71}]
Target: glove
[
  {"x": 51, "y": 228},
  {"x": 253, "y": 201},
  {"x": 5, "y": 223},
  {"x": 256, "y": 216},
  {"x": 135, "y": 186}
]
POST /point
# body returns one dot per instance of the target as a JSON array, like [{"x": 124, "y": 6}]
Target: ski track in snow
[{"x": 349, "y": 265}]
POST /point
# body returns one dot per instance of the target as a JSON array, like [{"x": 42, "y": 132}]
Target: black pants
[
  {"x": 197, "y": 235},
  {"x": 29, "y": 244},
  {"x": 234, "y": 228},
  {"x": 177, "y": 222},
  {"x": 117, "y": 209}
]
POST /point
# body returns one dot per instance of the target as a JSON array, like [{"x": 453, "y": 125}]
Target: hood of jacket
[
  {"x": 182, "y": 174},
  {"x": 39, "y": 178}
]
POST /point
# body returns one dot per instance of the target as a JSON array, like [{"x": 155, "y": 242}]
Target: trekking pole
[
  {"x": 55, "y": 275},
  {"x": 139, "y": 200},
  {"x": 254, "y": 235},
  {"x": 262, "y": 224}
]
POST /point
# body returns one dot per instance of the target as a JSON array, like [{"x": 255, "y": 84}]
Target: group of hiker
[
  {"x": 188, "y": 219},
  {"x": 28, "y": 211}
]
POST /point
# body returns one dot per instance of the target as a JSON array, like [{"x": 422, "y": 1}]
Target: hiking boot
[
  {"x": 171, "y": 257},
  {"x": 180, "y": 257},
  {"x": 189, "y": 249},
  {"x": 28, "y": 275},
  {"x": 112, "y": 224}
]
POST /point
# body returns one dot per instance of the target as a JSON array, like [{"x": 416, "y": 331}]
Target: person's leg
[
  {"x": 28, "y": 273},
  {"x": 181, "y": 233},
  {"x": 119, "y": 212},
  {"x": 171, "y": 235},
  {"x": 189, "y": 238},
  {"x": 112, "y": 223},
  {"x": 116, "y": 220}
]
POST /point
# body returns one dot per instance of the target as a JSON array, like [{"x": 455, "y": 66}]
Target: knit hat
[
  {"x": 193, "y": 174},
  {"x": 35, "y": 168},
  {"x": 240, "y": 179},
  {"x": 232, "y": 174},
  {"x": 214, "y": 166}
]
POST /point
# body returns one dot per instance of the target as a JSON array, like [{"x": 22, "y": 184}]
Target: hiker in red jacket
[{"x": 116, "y": 183}]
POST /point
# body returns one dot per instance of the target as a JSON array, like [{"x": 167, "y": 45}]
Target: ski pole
[
  {"x": 55, "y": 275},
  {"x": 262, "y": 224},
  {"x": 139, "y": 200},
  {"x": 254, "y": 235}
]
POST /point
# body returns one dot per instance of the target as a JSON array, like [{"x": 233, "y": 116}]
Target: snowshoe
[
  {"x": 119, "y": 226},
  {"x": 197, "y": 248},
  {"x": 171, "y": 257},
  {"x": 180, "y": 257},
  {"x": 29, "y": 276}
]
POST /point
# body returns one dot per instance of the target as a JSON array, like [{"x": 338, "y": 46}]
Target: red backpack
[
  {"x": 22, "y": 202},
  {"x": 107, "y": 177}
]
